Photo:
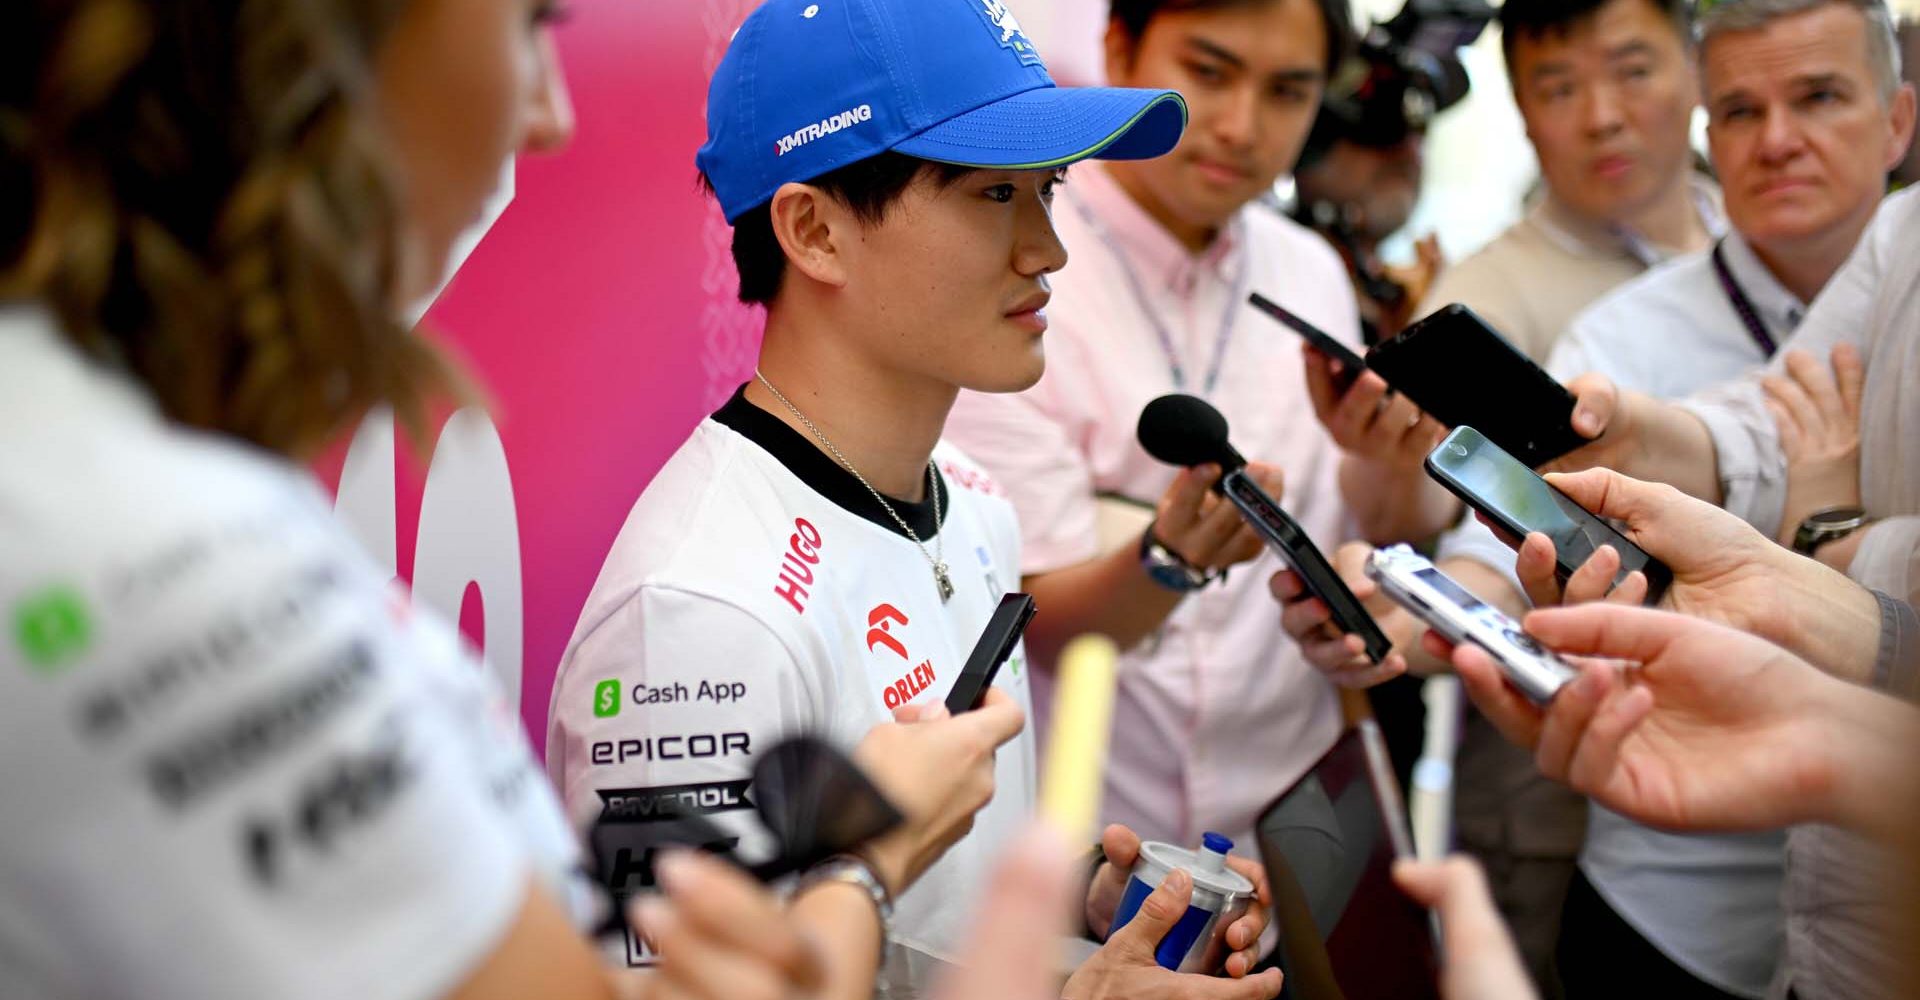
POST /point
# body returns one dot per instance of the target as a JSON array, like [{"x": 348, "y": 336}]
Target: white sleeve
[
  {"x": 1888, "y": 559},
  {"x": 238, "y": 767},
  {"x": 658, "y": 713}
]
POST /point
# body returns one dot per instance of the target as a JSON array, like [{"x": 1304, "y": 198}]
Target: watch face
[
  {"x": 1171, "y": 577},
  {"x": 1835, "y": 516}
]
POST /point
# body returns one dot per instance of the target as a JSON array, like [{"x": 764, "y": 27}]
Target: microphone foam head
[{"x": 1187, "y": 431}]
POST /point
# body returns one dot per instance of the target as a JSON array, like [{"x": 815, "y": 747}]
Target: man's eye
[{"x": 1002, "y": 193}]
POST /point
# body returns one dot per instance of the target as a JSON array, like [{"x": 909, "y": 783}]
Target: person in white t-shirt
[
  {"x": 238, "y": 765},
  {"x": 813, "y": 559}
]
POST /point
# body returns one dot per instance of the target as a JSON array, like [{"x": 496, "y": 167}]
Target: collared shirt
[
  {"x": 1874, "y": 304},
  {"x": 1711, "y": 903},
  {"x": 1836, "y": 903},
  {"x": 1217, "y": 712},
  {"x": 1533, "y": 279}
]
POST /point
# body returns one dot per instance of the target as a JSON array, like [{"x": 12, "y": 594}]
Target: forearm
[
  {"x": 1395, "y": 503},
  {"x": 1824, "y": 618},
  {"x": 1110, "y": 595},
  {"x": 841, "y": 921},
  {"x": 1673, "y": 447},
  {"x": 1868, "y": 751}
]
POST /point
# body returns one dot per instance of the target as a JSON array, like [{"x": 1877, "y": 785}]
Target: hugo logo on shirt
[
  {"x": 880, "y": 623},
  {"x": 796, "y": 564}
]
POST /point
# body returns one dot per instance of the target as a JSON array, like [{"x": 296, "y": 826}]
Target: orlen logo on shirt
[
  {"x": 880, "y": 623},
  {"x": 796, "y": 564},
  {"x": 825, "y": 127}
]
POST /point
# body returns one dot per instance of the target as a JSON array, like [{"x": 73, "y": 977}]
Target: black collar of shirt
[{"x": 822, "y": 474}]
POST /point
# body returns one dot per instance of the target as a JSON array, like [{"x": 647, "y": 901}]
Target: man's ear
[
  {"x": 812, "y": 228},
  {"x": 1121, "y": 48},
  {"x": 1900, "y": 119}
]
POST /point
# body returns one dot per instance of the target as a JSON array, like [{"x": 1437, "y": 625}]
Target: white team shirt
[
  {"x": 758, "y": 591},
  {"x": 236, "y": 764}
]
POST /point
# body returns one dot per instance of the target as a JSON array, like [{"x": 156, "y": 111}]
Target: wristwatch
[
  {"x": 854, "y": 871},
  {"x": 1829, "y": 525},
  {"x": 1165, "y": 567}
]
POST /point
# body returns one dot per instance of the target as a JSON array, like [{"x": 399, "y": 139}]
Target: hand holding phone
[
  {"x": 1460, "y": 371},
  {"x": 1351, "y": 364},
  {"x": 1188, "y": 431},
  {"x": 1519, "y": 502}
]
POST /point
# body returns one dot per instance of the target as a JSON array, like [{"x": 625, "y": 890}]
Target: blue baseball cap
[{"x": 809, "y": 86}]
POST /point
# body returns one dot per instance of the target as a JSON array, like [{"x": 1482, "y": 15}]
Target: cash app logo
[
  {"x": 606, "y": 699},
  {"x": 51, "y": 627}
]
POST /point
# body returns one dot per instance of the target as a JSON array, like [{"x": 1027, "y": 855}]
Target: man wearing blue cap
[{"x": 813, "y": 558}]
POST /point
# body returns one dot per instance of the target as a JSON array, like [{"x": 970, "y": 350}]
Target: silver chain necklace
[{"x": 936, "y": 558}]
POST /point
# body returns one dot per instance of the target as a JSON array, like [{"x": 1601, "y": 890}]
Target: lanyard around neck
[
  {"x": 1742, "y": 305},
  {"x": 1160, "y": 330}
]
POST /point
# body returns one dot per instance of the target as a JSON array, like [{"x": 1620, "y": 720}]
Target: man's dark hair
[
  {"x": 1533, "y": 20},
  {"x": 869, "y": 187},
  {"x": 1135, "y": 15}
]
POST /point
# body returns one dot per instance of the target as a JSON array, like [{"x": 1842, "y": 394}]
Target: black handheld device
[
  {"x": 1004, "y": 629},
  {"x": 1464, "y": 374},
  {"x": 1328, "y": 844},
  {"x": 1518, "y": 501},
  {"x": 1186, "y": 430},
  {"x": 1322, "y": 341}
]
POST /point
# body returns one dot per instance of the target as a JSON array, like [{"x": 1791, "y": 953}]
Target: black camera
[{"x": 1402, "y": 73}]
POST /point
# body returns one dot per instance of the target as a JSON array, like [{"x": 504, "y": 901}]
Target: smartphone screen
[
  {"x": 1464, "y": 374},
  {"x": 1516, "y": 499}
]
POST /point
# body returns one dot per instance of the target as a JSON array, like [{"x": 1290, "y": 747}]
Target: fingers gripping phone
[
  {"x": 1351, "y": 363},
  {"x": 1464, "y": 374},
  {"x": 1287, "y": 538},
  {"x": 1433, "y": 597},
  {"x": 1003, "y": 632},
  {"x": 1518, "y": 501}
]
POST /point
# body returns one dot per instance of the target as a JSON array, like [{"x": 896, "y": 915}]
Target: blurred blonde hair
[{"x": 197, "y": 189}]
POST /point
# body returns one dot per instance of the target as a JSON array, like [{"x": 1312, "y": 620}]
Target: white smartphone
[{"x": 1415, "y": 584}]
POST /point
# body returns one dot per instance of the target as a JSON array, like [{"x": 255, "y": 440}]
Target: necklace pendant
[{"x": 944, "y": 582}]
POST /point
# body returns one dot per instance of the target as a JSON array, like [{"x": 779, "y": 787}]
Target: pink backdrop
[{"x": 599, "y": 311}]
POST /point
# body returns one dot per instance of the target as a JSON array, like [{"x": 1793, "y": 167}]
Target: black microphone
[{"x": 1187, "y": 431}]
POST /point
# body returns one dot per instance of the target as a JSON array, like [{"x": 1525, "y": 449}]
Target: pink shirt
[{"x": 1217, "y": 712}]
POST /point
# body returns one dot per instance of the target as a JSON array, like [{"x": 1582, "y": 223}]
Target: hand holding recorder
[
  {"x": 1185, "y": 430},
  {"x": 1714, "y": 729}
]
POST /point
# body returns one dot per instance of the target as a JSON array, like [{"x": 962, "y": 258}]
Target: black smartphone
[
  {"x": 1515, "y": 498},
  {"x": 1463, "y": 373},
  {"x": 1285, "y": 536},
  {"x": 1003, "y": 632},
  {"x": 1322, "y": 341}
]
